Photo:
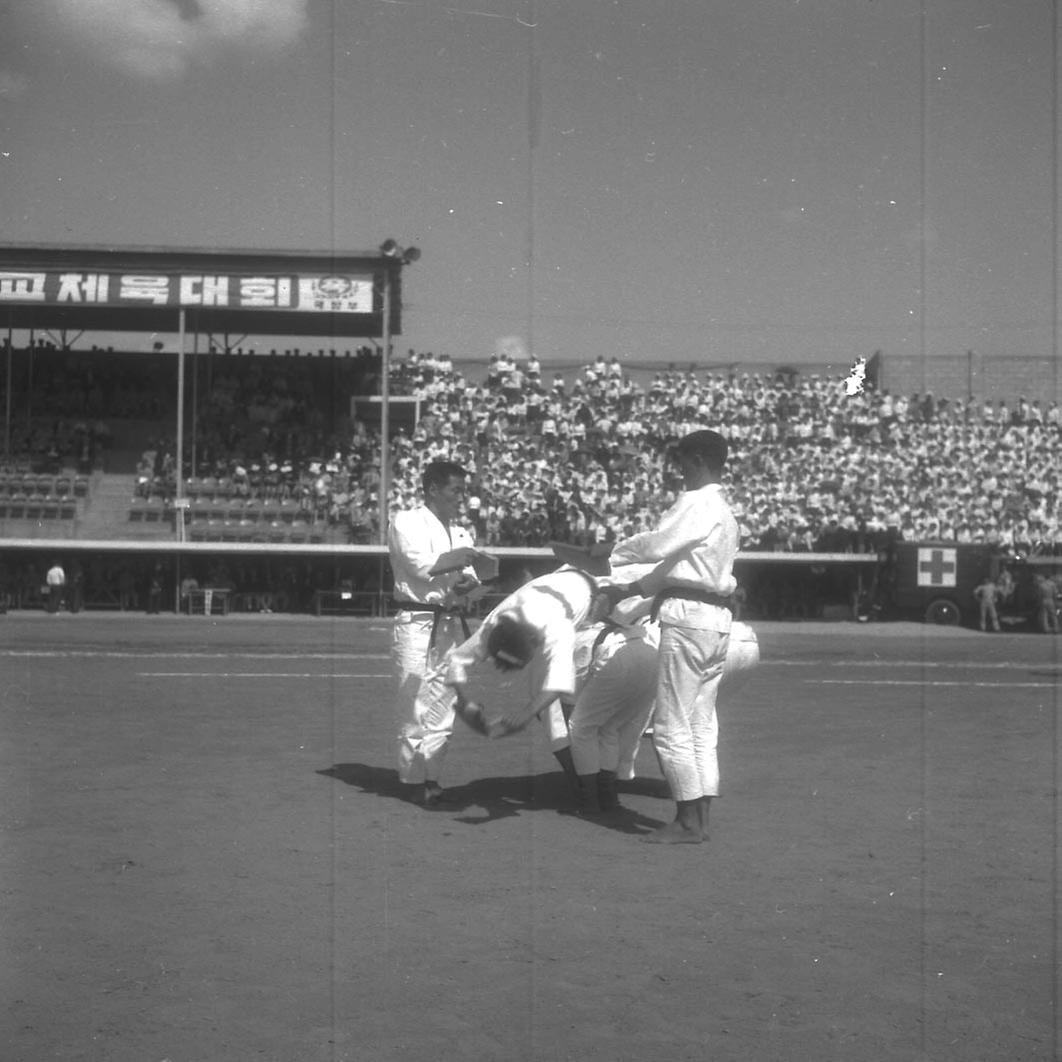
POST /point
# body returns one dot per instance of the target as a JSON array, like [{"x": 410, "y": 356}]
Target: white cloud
[{"x": 151, "y": 39}]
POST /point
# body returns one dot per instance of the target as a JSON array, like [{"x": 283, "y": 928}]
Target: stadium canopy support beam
[
  {"x": 194, "y": 466},
  {"x": 178, "y": 495},
  {"x": 385, "y": 410},
  {"x": 7, "y": 393},
  {"x": 395, "y": 258}
]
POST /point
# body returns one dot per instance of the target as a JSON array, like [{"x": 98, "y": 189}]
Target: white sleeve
[
  {"x": 672, "y": 535},
  {"x": 406, "y": 543}
]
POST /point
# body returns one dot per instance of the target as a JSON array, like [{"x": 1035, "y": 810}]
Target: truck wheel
[{"x": 944, "y": 612}]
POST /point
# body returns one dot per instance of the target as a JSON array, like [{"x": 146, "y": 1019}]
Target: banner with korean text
[{"x": 344, "y": 293}]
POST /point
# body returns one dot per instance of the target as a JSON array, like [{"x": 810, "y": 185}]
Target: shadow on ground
[{"x": 490, "y": 799}]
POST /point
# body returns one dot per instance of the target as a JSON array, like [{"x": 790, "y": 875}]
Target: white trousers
[
  {"x": 685, "y": 727},
  {"x": 612, "y": 711},
  {"x": 423, "y": 703}
]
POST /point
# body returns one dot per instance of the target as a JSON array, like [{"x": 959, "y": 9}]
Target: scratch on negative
[
  {"x": 465, "y": 11},
  {"x": 491, "y": 14}
]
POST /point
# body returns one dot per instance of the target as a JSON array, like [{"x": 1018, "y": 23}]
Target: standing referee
[{"x": 432, "y": 559}]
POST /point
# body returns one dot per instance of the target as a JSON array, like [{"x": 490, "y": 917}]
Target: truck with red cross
[{"x": 935, "y": 582}]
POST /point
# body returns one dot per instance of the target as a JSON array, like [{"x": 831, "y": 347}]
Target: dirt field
[{"x": 205, "y": 858}]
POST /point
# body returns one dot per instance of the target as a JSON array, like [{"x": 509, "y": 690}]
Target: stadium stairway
[{"x": 107, "y": 508}]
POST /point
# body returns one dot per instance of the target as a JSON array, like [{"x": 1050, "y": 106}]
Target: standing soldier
[
  {"x": 986, "y": 593},
  {"x": 1047, "y": 604}
]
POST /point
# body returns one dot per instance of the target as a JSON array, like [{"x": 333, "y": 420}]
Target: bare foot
[
  {"x": 703, "y": 808},
  {"x": 674, "y": 833}
]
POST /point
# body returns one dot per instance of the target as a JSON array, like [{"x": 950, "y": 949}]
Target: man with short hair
[
  {"x": 1046, "y": 604},
  {"x": 986, "y": 593},
  {"x": 692, "y": 550},
  {"x": 535, "y": 625},
  {"x": 55, "y": 580},
  {"x": 435, "y": 566}
]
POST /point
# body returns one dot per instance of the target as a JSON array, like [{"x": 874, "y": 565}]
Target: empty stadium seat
[
  {"x": 270, "y": 513},
  {"x": 153, "y": 510}
]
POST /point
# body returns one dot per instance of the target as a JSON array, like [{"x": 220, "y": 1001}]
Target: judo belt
[
  {"x": 589, "y": 579},
  {"x": 608, "y": 628},
  {"x": 437, "y": 611},
  {"x": 689, "y": 594}
]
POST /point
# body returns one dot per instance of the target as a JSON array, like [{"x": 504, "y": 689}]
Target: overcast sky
[{"x": 672, "y": 179}]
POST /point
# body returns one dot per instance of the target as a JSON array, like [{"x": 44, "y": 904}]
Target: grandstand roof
[{"x": 143, "y": 289}]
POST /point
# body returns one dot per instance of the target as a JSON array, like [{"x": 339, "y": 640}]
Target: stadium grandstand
[{"x": 266, "y": 467}]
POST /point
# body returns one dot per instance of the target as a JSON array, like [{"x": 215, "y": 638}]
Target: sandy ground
[{"x": 205, "y": 857}]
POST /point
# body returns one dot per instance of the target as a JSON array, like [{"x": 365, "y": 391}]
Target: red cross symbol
[{"x": 938, "y": 566}]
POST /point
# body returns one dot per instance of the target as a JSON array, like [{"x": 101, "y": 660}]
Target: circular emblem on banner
[{"x": 335, "y": 287}]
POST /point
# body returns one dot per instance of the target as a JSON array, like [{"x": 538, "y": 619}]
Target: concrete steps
[{"x": 107, "y": 509}]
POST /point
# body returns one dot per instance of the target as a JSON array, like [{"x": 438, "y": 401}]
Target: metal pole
[
  {"x": 7, "y": 409},
  {"x": 385, "y": 411},
  {"x": 195, "y": 399},
  {"x": 178, "y": 495},
  {"x": 29, "y": 382}
]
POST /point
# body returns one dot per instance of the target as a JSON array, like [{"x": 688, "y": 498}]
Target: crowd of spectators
[
  {"x": 816, "y": 464},
  {"x": 813, "y": 467},
  {"x": 61, "y": 402},
  {"x": 245, "y": 408}
]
